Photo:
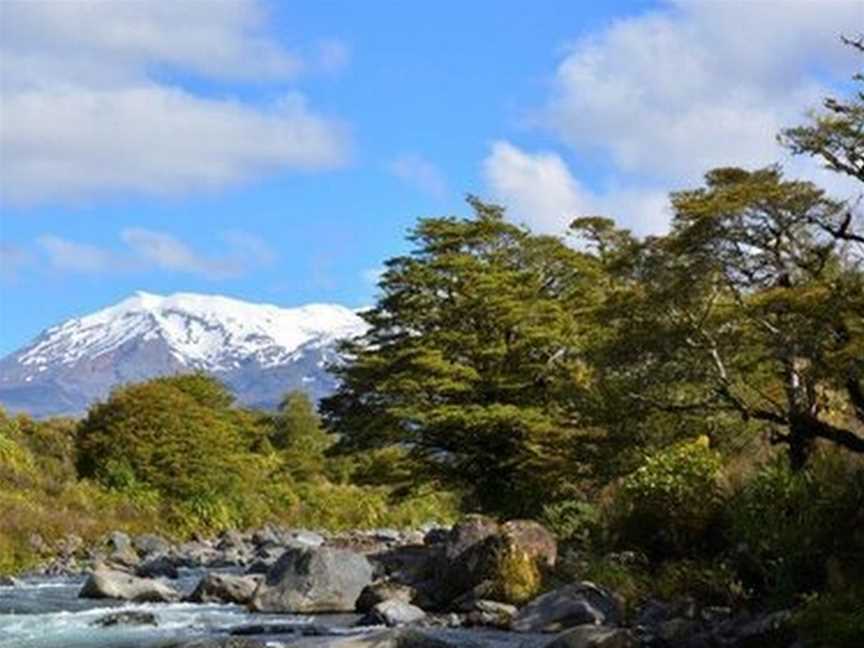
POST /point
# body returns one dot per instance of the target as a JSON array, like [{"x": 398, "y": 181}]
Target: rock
[
  {"x": 158, "y": 567},
  {"x": 70, "y": 545},
  {"x": 404, "y": 638},
  {"x": 594, "y": 636},
  {"x": 470, "y": 562},
  {"x": 126, "y": 618},
  {"x": 568, "y": 606},
  {"x": 9, "y": 581},
  {"x": 225, "y": 588},
  {"x": 196, "y": 554},
  {"x": 771, "y": 630},
  {"x": 118, "y": 585},
  {"x": 149, "y": 544},
  {"x": 220, "y": 642},
  {"x": 409, "y": 563},
  {"x": 530, "y": 538},
  {"x": 304, "y": 538},
  {"x": 394, "y": 613},
  {"x": 490, "y": 613},
  {"x": 381, "y": 591},
  {"x": 118, "y": 541},
  {"x": 306, "y": 580}
]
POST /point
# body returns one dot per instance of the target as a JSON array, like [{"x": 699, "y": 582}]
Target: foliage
[
  {"x": 163, "y": 435},
  {"x": 790, "y": 526},
  {"x": 297, "y": 434},
  {"x": 832, "y": 620},
  {"x": 670, "y": 504},
  {"x": 517, "y": 576},
  {"x": 574, "y": 520},
  {"x": 471, "y": 362}
]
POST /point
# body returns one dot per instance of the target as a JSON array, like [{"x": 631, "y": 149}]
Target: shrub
[
  {"x": 574, "y": 520},
  {"x": 790, "y": 526},
  {"x": 669, "y": 506},
  {"x": 517, "y": 576}
]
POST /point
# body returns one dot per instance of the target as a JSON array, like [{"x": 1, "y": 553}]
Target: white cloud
[
  {"x": 541, "y": 192},
  {"x": 669, "y": 94},
  {"x": 76, "y": 257},
  {"x": 700, "y": 84},
  {"x": 84, "y": 112},
  {"x": 147, "y": 250},
  {"x": 420, "y": 173}
]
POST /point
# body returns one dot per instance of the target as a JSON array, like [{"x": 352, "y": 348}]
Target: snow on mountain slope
[{"x": 259, "y": 350}]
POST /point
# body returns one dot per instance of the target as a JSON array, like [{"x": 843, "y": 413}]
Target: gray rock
[
  {"x": 304, "y": 538},
  {"x": 593, "y": 636},
  {"x": 483, "y": 612},
  {"x": 158, "y": 567},
  {"x": 395, "y": 613},
  {"x": 220, "y": 642},
  {"x": 381, "y": 591},
  {"x": 225, "y": 588},
  {"x": 118, "y": 585},
  {"x": 126, "y": 618},
  {"x": 9, "y": 581},
  {"x": 308, "y": 580},
  {"x": 118, "y": 541},
  {"x": 405, "y": 638},
  {"x": 149, "y": 544},
  {"x": 569, "y": 606}
]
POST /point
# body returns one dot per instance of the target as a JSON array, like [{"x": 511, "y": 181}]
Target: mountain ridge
[{"x": 259, "y": 350}]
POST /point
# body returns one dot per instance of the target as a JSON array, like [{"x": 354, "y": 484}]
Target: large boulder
[
  {"x": 593, "y": 636},
  {"x": 225, "y": 588},
  {"x": 309, "y": 580},
  {"x": 119, "y": 585},
  {"x": 484, "y": 559},
  {"x": 159, "y": 566},
  {"x": 148, "y": 544},
  {"x": 569, "y": 606}
]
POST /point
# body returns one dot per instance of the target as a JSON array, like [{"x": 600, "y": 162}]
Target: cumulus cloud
[
  {"x": 146, "y": 250},
  {"x": 541, "y": 192},
  {"x": 700, "y": 84},
  {"x": 86, "y": 113},
  {"x": 420, "y": 173},
  {"x": 669, "y": 94}
]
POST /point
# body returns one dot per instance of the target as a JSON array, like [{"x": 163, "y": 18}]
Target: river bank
[{"x": 427, "y": 588}]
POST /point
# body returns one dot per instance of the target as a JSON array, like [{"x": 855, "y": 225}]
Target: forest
[{"x": 684, "y": 411}]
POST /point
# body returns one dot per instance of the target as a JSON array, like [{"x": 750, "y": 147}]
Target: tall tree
[
  {"x": 471, "y": 362},
  {"x": 750, "y": 305}
]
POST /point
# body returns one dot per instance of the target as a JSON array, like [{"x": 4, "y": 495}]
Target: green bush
[
  {"x": 789, "y": 526},
  {"x": 670, "y": 505},
  {"x": 832, "y": 620},
  {"x": 574, "y": 520}
]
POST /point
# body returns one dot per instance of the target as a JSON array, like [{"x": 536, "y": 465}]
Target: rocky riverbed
[{"x": 432, "y": 588}]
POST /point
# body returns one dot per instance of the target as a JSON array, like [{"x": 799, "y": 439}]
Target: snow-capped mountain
[{"x": 259, "y": 350}]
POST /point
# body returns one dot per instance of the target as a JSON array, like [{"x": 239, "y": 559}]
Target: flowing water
[
  {"x": 42, "y": 612},
  {"x": 47, "y": 613}
]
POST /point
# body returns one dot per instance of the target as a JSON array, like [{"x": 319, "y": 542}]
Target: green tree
[
  {"x": 471, "y": 361},
  {"x": 174, "y": 435},
  {"x": 299, "y": 436},
  {"x": 750, "y": 306}
]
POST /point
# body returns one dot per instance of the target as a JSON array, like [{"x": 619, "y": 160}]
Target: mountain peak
[{"x": 148, "y": 334}]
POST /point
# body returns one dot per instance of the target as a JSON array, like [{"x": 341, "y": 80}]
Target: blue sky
[{"x": 279, "y": 152}]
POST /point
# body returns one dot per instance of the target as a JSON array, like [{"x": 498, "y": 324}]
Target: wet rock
[
  {"x": 405, "y": 638},
  {"x": 569, "y": 606},
  {"x": 384, "y": 591},
  {"x": 158, "y": 567},
  {"x": 126, "y": 618},
  {"x": 393, "y": 613},
  {"x": 119, "y": 585},
  {"x": 225, "y": 588},
  {"x": 494, "y": 614},
  {"x": 9, "y": 581},
  {"x": 221, "y": 642},
  {"x": 308, "y": 580},
  {"x": 593, "y": 636}
]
